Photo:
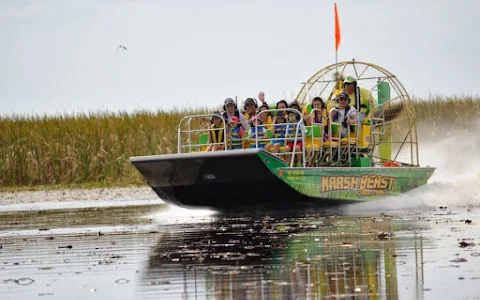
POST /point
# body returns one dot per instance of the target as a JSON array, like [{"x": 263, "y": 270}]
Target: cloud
[
  {"x": 61, "y": 54},
  {"x": 27, "y": 9}
]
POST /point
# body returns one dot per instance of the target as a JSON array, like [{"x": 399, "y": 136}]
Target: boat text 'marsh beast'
[{"x": 374, "y": 158}]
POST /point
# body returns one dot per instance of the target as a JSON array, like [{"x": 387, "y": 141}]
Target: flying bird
[{"x": 121, "y": 47}]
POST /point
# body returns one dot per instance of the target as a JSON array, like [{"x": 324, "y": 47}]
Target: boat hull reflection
[{"x": 311, "y": 258}]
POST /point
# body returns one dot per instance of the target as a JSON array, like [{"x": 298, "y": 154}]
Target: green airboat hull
[{"x": 254, "y": 178}]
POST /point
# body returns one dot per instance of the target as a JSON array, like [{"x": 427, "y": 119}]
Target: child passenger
[
  {"x": 317, "y": 116},
  {"x": 216, "y": 134},
  {"x": 235, "y": 134},
  {"x": 257, "y": 133},
  {"x": 266, "y": 118},
  {"x": 279, "y": 129}
]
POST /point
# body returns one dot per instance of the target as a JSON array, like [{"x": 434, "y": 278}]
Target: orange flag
[{"x": 337, "y": 29}]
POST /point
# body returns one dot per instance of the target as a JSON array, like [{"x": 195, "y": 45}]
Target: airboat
[{"x": 378, "y": 157}]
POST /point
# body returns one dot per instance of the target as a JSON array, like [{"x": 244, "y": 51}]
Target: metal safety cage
[{"x": 392, "y": 117}]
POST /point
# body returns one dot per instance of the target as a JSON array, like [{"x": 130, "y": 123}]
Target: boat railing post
[
  {"x": 225, "y": 137},
  {"x": 294, "y": 147},
  {"x": 303, "y": 140},
  {"x": 189, "y": 132},
  {"x": 299, "y": 126},
  {"x": 322, "y": 130},
  {"x": 292, "y": 157},
  {"x": 348, "y": 146},
  {"x": 179, "y": 134},
  {"x": 359, "y": 128},
  {"x": 179, "y": 138},
  {"x": 331, "y": 138}
]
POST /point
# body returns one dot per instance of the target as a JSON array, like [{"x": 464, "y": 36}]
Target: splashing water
[
  {"x": 456, "y": 181},
  {"x": 175, "y": 215},
  {"x": 457, "y": 178}
]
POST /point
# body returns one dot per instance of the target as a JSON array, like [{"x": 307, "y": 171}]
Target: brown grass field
[{"x": 94, "y": 148}]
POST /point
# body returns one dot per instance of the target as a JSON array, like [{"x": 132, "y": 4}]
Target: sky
[{"x": 61, "y": 57}]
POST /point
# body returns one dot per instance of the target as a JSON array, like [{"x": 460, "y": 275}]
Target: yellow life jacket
[
  {"x": 216, "y": 133},
  {"x": 248, "y": 115},
  {"x": 363, "y": 104}
]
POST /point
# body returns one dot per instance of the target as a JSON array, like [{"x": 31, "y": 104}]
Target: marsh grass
[
  {"x": 82, "y": 149},
  {"x": 440, "y": 116},
  {"x": 95, "y": 147}
]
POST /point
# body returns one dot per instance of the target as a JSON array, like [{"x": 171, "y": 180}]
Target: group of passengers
[{"x": 249, "y": 129}]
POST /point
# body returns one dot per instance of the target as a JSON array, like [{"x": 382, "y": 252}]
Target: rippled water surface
[{"x": 147, "y": 250}]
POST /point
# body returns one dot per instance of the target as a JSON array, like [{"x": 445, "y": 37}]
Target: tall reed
[
  {"x": 440, "y": 116},
  {"x": 92, "y": 147},
  {"x": 95, "y": 147}
]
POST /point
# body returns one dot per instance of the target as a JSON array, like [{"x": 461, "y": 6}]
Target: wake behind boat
[{"x": 323, "y": 164}]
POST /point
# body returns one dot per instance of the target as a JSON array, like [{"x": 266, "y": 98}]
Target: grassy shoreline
[{"x": 92, "y": 150}]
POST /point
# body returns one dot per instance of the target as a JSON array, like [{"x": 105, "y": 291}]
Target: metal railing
[
  {"x": 313, "y": 139},
  {"x": 338, "y": 143},
  {"x": 189, "y": 131},
  {"x": 193, "y": 133},
  {"x": 298, "y": 125}
]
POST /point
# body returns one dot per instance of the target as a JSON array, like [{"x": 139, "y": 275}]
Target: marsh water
[{"x": 400, "y": 248}]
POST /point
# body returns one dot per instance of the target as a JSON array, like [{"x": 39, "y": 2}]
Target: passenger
[
  {"x": 231, "y": 110},
  {"x": 345, "y": 114},
  {"x": 316, "y": 117},
  {"x": 282, "y": 104},
  {"x": 235, "y": 134},
  {"x": 279, "y": 129},
  {"x": 257, "y": 133},
  {"x": 250, "y": 108},
  {"x": 360, "y": 99},
  {"x": 295, "y": 105},
  {"x": 319, "y": 115},
  {"x": 295, "y": 131},
  {"x": 266, "y": 117},
  {"x": 216, "y": 134}
]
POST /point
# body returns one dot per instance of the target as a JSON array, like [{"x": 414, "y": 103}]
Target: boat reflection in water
[{"x": 309, "y": 258}]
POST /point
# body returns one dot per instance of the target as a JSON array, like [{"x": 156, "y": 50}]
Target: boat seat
[
  {"x": 282, "y": 148},
  {"x": 344, "y": 141},
  {"x": 315, "y": 145},
  {"x": 313, "y": 137},
  {"x": 326, "y": 144},
  {"x": 269, "y": 134},
  {"x": 203, "y": 141}
]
